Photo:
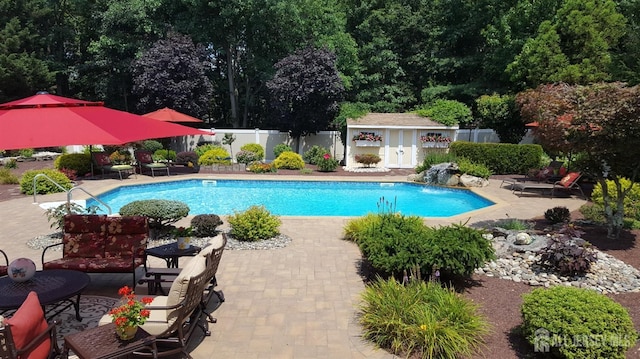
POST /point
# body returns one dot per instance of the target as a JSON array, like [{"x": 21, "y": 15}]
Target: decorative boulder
[
  {"x": 441, "y": 173},
  {"x": 523, "y": 239},
  {"x": 472, "y": 181}
]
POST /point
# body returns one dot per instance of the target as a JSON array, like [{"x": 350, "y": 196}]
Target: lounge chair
[
  {"x": 568, "y": 182},
  {"x": 549, "y": 174},
  {"x": 145, "y": 161},
  {"x": 102, "y": 162}
]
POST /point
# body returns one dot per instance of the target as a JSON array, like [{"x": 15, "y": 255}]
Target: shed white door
[{"x": 400, "y": 149}]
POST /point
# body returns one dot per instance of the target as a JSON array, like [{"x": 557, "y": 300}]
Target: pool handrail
[{"x": 68, "y": 191}]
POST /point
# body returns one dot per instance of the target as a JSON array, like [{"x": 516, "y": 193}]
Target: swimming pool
[{"x": 301, "y": 198}]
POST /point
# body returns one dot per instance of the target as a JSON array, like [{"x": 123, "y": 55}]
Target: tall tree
[
  {"x": 305, "y": 91},
  {"x": 172, "y": 73},
  {"x": 499, "y": 113},
  {"x": 574, "y": 47},
  {"x": 600, "y": 121}
]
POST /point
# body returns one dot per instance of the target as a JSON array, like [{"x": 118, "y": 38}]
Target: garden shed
[{"x": 400, "y": 139}]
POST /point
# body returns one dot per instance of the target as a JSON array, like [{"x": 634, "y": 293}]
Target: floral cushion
[
  {"x": 83, "y": 245},
  {"x": 102, "y": 159},
  {"x": 95, "y": 265},
  {"x": 144, "y": 157},
  {"x": 26, "y": 323}
]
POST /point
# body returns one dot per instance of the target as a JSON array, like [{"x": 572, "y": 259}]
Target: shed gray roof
[{"x": 395, "y": 120}]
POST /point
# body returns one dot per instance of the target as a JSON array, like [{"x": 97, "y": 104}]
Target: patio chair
[
  {"x": 27, "y": 334},
  {"x": 213, "y": 254},
  {"x": 174, "y": 317},
  {"x": 568, "y": 182},
  {"x": 145, "y": 161},
  {"x": 102, "y": 162},
  {"x": 4, "y": 267},
  {"x": 549, "y": 174}
]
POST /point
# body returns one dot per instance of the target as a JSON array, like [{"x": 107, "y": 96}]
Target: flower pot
[
  {"x": 127, "y": 333},
  {"x": 365, "y": 143},
  {"x": 184, "y": 242}
]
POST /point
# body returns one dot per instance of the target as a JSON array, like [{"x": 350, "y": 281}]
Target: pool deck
[{"x": 294, "y": 302}]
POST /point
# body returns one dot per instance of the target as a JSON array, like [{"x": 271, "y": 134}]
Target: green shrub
[
  {"x": 151, "y": 146},
  {"x": 421, "y": 320},
  {"x": 314, "y": 154},
  {"x": 458, "y": 250},
  {"x": 205, "y": 225},
  {"x": 215, "y": 156},
  {"x": 255, "y": 148},
  {"x": 513, "y": 224},
  {"x": 279, "y": 148},
  {"x": 631, "y": 200},
  {"x": 500, "y": 158},
  {"x": 447, "y": 112},
  {"x": 44, "y": 185},
  {"x": 161, "y": 212},
  {"x": 306, "y": 171},
  {"x": 254, "y": 224},
  {"x": 367, "y": 159},
  {"x": 6, "y": 177},
  {"x": 246, "y": 157},
  {"x": 11, "y": 163},
  {"x": 168, "y": 155},
  {"x": 79, "y": 162},
  {"x": 326, "y": 163},
  {"x": 357, "y": 228},
  {"x": 593, "y": 212},
  {"x": 558, "y": 214},
  {"x": 572, "y": 322},
  {"x": 289, "y": 160},
  {"x": 434, "y": 158},
  {"x": 259, "y": 167},
  {"x": 26, "y": 152},
  {"x": 201, "y": 149},
  {"x": 470, "y": 168}
]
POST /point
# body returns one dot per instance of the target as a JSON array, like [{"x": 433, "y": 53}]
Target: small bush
[
  {"x": 356, "y": 229},
  {"x": 205, "y": 225},
  {"x": 326, "y": 163},
  {"x": 255, "y": 148},
  {"x": 26, "y": 152},
  {"x": 186, "y": 157},
  {"x": 55, "y": 215},
  {"x": 421, "y": 320},
  {"x": 168, "y": 155},
  {"x": 435, "y": 158},
  {"x": 246, "y": 157},
  {"x": 6, "y": 177},
  {"x": 254, "y": 224},
  {"x": 557, "y": 215},
  {"x": 314, "y": 154},
  {"x": 259, "y": 167},
  {"x": 151, "y": 146},
  {"x": 44, "y": 185},
  {"x": 631, "y": 200},
  {"x": 567, "y": 253},
  {"x": 279, "y": 148},
  {"x": 161, "y": 212},
  {"x": 289, "y": 160},
  {"x": 571, "y": 322},
  {"x": 368, "y": 159},
  {"x": 513, "y": 224},
  {"x": 473, "y": 169},
  {"x": 79, "y": 162},
  {"x": 201, "y": 149},
  {"x": 306, "y": 171},
  {"x": 120, "y": 157},
  {"x": 593, "y": 212},
  {"x": 215, "y": 156}
]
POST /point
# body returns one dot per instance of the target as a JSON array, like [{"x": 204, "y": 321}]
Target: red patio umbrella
[
  {"x": 170, "y": 115},
  {"x": 46, "y": 120}
]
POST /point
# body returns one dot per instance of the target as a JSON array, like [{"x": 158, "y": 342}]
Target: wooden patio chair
[{"x": 27, "y": 334}]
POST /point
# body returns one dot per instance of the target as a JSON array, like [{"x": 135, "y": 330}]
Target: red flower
[
  {"x": 131, "y": 312},
  {"x": 326, "y": 156}
]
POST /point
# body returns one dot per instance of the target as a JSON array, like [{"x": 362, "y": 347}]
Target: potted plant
[
  {"x": 130, "y": 314},
  {"x": 183, "y": 235},
  {"x": 435, "y": 141}
]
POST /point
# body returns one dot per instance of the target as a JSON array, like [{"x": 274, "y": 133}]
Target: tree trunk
[
  {"x": 233, "y": 91},
  {"x": 247, "y": 99}
]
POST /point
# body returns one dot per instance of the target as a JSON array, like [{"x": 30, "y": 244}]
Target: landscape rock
[{"x": 472, "y": 181}]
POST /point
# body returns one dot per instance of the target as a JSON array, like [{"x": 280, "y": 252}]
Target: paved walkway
[{"x": 295, "y": 302}]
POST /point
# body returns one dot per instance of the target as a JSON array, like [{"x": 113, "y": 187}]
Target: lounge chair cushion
[
  {"x": 569, "y": 179},
  {"x": 27, "y": 322}
]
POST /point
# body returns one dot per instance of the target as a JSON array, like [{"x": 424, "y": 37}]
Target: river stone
[{"x": 523, "y": 239}]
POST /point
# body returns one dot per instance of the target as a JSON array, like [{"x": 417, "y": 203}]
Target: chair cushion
[
  {"x": 568, "y": 180},
  {"x": 27, "y": 322},
  {"x": 214, "y": 243},
  {"x": 178, "y": 289},
  {"x": 144, "y": 157}
]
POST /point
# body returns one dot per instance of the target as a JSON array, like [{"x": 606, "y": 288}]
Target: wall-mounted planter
[{"x": 365, "y": 143}]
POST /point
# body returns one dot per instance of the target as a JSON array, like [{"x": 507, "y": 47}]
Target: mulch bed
[{"x": 499, "y": 299}]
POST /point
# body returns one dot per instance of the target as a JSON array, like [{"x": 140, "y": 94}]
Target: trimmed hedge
[
  {"x": 44, "y": 185},
  {"x": 79, "y": 162},
  {"x": 500, "y": 158}
]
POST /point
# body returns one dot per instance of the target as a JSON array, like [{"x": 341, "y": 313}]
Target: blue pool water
[{"x": 301, "y": 198}]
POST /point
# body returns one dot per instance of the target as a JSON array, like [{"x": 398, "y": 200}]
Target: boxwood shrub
[
  {"x": 79, "y": 162},
  {"x": 215, "y": 156},
  {"x": 254, "y": 224},
  {"x": 421, "y": 320},
  {"x": 289, "y": 160},
  {"x": 279, "y": 148},
  {"x": 205, "y": 225},
  {"x": 255, "y": 148},
  {"x": 571, "y": 322},
  {"x": 161, "y": 212},
  {"x": 500, "y": 158},
  {"x": 44, "y": 185}
]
